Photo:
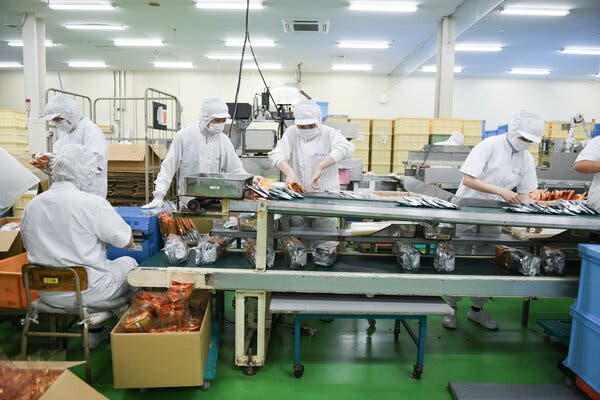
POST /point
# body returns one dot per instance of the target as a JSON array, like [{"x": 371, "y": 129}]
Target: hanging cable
[{"x": 237, "y": 89}]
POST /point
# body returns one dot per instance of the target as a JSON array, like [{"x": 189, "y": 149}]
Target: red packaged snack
[
  {"x": 180, "y": 291},
  {"x": 172, "y": 314},
  {"x": 139, "y": 321}
]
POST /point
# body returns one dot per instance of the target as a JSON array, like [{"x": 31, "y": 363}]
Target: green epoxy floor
[{"x": 342, "y": 362}]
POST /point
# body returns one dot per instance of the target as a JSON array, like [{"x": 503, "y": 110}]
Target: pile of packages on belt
[
  {"x": 25, "y": 383},
  {"x": 170, "y": 311}
]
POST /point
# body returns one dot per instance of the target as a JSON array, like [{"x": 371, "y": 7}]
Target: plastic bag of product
[
  {"x": 444, "y": 258},
  {"x": 326, "y": 253},
  {"x": 251, "y": 254},
  {"x": 294, "y": 252},
  {"x": 553, "y": 261},
  {"x": 210, "y": 249},
  {"x": 175, "y": 249},
  {"x": 139, "y": 321},
  {"x": 408, "y": 257},
  {"x": 11, "y": 226},
  {"x": 518, "y": 260}
]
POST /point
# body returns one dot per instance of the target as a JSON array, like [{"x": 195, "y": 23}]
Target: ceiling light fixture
[
  {"x": 228, "y": 4},
  {"x": 255, "y": 43},
  {"x": 355, "y": 44},
  {"x": 433, "y": 68},
  {"x": 535, "y": 11},
  {"x": 484, "y": 48},
  {"x": 529, "y": 71},
  {"x": 384, "y": 6},
  {"x": 88, "y": 6},
  {"x": 87, "y": 64},
  {"x": 265, "y": 66},
  {"x": 586, "y": 51},
  {"x": 96, "y": 27},
  {"x": 235, "y": 57},
  {"x": 351, "y": 67},
  {"x": 173, "y": 64},
  {"x": 19, "y": 43},
  {"x": 10, "y": 64},
  {"x": 138, "y": 42}
]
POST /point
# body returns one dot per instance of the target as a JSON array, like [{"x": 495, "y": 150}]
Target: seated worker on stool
[
  {"x": 491, "y": 171},
  {"x": 308, "y": 154},
  {"x": 65, "y": 226},
  {"x": 200, "y": 148}
]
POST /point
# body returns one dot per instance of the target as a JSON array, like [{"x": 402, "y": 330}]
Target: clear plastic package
[
  {"x": 11, "y": 226},
  {"x": 326, "y": 253},
  {"x": 444, "y": 259},
  {"x": 441, "y": 231},
  {"x": 251, "y": 254},
  {"x": 209, "y": 249},
  {"x": 175, "y": 249},
  {"x": 553, "y": 261},
  {"x": 518, "y": 260},
  {"x": 294, "y": 252},
  {"x": 408, "y": 257}
]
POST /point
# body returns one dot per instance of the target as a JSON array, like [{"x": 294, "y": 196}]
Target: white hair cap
[
  {"x": 307, "y": 112},
  {"x": 76, "y": 164},
  {"x": 63, "y": 106},
  {"x": 528, "y": 125},
  {"x": 212, "y": 108}
]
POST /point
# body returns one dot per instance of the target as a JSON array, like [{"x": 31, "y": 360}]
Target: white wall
[{"x": 356, "y": 95}]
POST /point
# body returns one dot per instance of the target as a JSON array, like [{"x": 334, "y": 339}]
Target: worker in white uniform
[
  {"x": 200, "y": 148},
  {"x": 308, "y": 154},
  {"x": 498, "y": 168},
  {"x": 588, "y": 162},
  {"x": 68, "y": 226},
  {"x": 76, "y": 128}
]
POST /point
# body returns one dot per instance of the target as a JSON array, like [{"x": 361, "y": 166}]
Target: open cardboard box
[
  {"x": 10, "y": 241},
  {"x": 132, "y": 157},
  {"x": 147, "y": 360},
  {"x": 12, "y": 291},
  {"x": 68, "y": 386}
]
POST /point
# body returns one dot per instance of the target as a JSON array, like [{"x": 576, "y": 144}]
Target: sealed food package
[
  {"x": 518, "y": 260},
  {"x": 247, "y": 222},
  {"x": 172, "y": 314},
  {"x": 139, "y": 321},
  {"x": 11, "y": 226},
  {"x": 209, "y": 249},
  {"x": 180, "y": 291},
  {"x": 251, "y": 254},
  {"x": 27, "y": 383},
  {"x": 294, "y": 252},
  {"x": 444, "y": 258},
  {"x": 442, "y": 231},
  {"x": 408, "y": 257},
  {"x": 326, "y": 253},
  {"x": 553, "y": 261},
  {"x": 175, "y": 249}
]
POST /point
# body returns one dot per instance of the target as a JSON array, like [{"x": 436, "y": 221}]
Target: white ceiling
[{"x": 190, "y": 34}]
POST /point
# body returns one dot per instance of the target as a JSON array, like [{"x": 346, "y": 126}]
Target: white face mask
[
  {"x": 308, "y": 134},
  {"x": 64, "y": 126},
  {"x": 215, "y": 129},
  {"x": 516, "y": 143}
]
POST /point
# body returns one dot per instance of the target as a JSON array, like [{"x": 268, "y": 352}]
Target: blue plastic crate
[
  {"x": 588, "y": 296},
  {"x": 596, "y": 130},
  {"x": 324, "y": 105},
  {"x": 145, "y": 224},
  {"x": 137, "y": 220},
  {"x": 141, "y": 251},
  {"x": 584, "y": 348}
]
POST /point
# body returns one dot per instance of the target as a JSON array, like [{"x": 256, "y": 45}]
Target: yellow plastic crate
[
  {"x": 554, "y": 130},
  {"x": 362, "y": 142},
  {"x": 21, "y": 203},
  {"x": 398, "y": 159},
  {"x": 363, "y": 155},
  {"x": 472, "y": 140},
  {"x": 12, "y": 134},
  {"x": 381, "y": 156},
  {"x": 410, "y": 142},
  {"x": 13, "y": 119},
  {"x": 364, "y": 125},
  {"x": 442, "y": 125},
  {"x": 336, "y": 118},
  {"x": 411, "y": 126},
  {"x": 381, "y": 168},
  {"x": 472, "y": 128},
  {"x": 16, "y": 147},
  {"x": 381, "y": 141},
  {"x": 382, "y": 126}
]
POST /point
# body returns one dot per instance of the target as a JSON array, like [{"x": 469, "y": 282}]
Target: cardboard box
[
  {"x": 132, "y": 157},
  {"x": 10, "y": 241},
  {"x": 12, "y": 291},
  {"x": 68, "y": 386},
  {"x": 147, "y": 360}
]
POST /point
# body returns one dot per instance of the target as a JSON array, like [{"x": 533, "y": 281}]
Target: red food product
[
  {"x": 139, "y": 322},
  {"x": 180, "y": 291}
]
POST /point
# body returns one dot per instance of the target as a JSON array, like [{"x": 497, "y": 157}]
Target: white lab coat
[
  {"x": 65, "y": 226},
  {"x": 194, "y": 152},
  {"x": 592, "y": 152},
  {"x": 89, "y": 135}
]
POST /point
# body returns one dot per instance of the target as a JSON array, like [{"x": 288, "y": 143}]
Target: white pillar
[
  {"x": 444, "y": 77},
  {"x": 34, "y": 77}
]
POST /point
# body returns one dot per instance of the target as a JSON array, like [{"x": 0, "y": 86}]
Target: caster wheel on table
[
  {"x": 249, "y": 370},
  {"x": 298, "y": 370},
  {"x": 205, "y": 386},
  {"x": 372, "y": 327},
  {"x": 417, "y": 371}
]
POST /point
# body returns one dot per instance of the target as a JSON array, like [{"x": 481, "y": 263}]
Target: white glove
[{"x": 157, "y": 202}]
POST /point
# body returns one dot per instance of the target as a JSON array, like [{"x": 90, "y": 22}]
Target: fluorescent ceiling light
[
  {"x": 351, "y": 67},
  {"x": 86, "y": 6},
  {"x": 139, "y": 42},
  {"x": 96, "y": 27},
  {"x": 10, "y": 64},
  {"x": 19, "y": 43},
  {"x": 173, "y": 64},
  {"x": 537, "y": 11},
  {"x": 228, "y": 4},
  {"x": 264, "y": 66},
  {"x": 384, "y": 6},
  {"x": 236, "y": 57},
  {"x": 355, "y": 44},
  {"x": 486, "y": 48},
  {"x": 87, "y": 64},
  {"x": 433, "y": 68},
  {"x": 255, "y": 43},
  {"x": 586, "y": 51},
  {"x": 529, "y": 71}
]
